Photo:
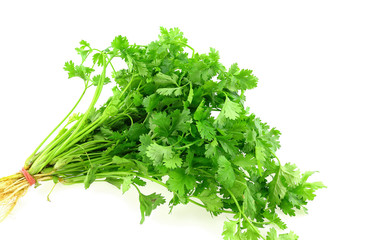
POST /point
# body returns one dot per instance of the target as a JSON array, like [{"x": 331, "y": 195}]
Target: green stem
[
  {"x": 127, "y": 86},
  {"x": 276, "y": 158},
  {"x": 245, "y": 217},
  {"x": 49, "y": 148},
  {"x": 188, "y": 145},
  {"x": 137, "y": 189},
  {"x": 31, "y": 158},
  {"x": 86, "y": 115},
  {"x": 40, "y": 163},
  {"x": 83, "y": 133}
]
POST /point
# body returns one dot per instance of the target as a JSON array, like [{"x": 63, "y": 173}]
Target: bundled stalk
[{"x": 172, "y": 115}]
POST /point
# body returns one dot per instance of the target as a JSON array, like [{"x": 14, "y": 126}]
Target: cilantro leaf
[
  {"x": 206, "y": 130},
  {"x": 225, "y": 172},
  {"x": 181, "y": 120},
  {"x": 91, "y": 176},
  {"x": 96, "y": 79},
  {"x": 170, "y": 91},
  {"x": 77, "y": 70},
  {"x": 211, "y": 149},
  {"x": 158, "y": 153},
  {"x": 160, "y": 124},
  {"x": 230, "y": 110},
  {"x": 98, "y": 59},
  {"x": 211, "y": 200},
  {"x": 291, "y": 174},
  {"x": 277, "y": 188},
  {"x": 272, "y": 235},
  {"x": 229, "y": 230},
  {"x": 123, "y": 183},
  {"x": 164, "y": 80},
  {"x": 149, "y": 203},
  {"x": 240, "y": 79},
  {"x": 180, "y": 182},
  {"x": 120, "y": 43},
  {"x": 173, "y": 162}
]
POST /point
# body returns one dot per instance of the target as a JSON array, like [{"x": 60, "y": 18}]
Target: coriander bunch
[{"x": 177, "y": 118}]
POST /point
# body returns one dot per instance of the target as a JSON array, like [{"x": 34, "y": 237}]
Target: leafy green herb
[{"x": 177, "y": 118}]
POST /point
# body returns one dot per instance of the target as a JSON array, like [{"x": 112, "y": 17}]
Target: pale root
[{"x": 12, "y": 188}]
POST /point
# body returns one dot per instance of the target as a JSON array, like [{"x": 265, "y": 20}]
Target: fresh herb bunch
[{"x": 177, "y": 119}]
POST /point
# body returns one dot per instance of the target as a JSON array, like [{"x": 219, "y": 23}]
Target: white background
[{"x": 311, "y": 58}]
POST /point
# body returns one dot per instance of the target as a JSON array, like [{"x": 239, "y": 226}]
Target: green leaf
[
  {"x": 251, "y": 233},
  {"x": 173, "y": 162},
  {"x": 163, "y": 79},
  {"x": 96, "y": 79},
  {"x": 211, "y": 149},
  {"x": 120, "y": 43},
  {"x": 170, "y": 91},
  {"x": 91, "y": 176},
  {"x": 98, "y": 59},
  {"x": 120, "y": 160},
  {"x": 288, "y": 174},
  {"x": 139, "y": 182},
  {"x": 229, "y": 230},
  {"x": 277, "y": 188},
  {"x": 83, "y": 53},
  {"x": 230, "y": 110},
  {"x": 275, "y": 219},
  {"x": 190, "y": 94},
  {"x": 210, "y": 199},
  {"x": 151, "y": 102},
  {"x": 201, "y": 112},
  {"x": 142, "y": 69},
  {"x": 307, "y": 190},
  {"x": 138, "y": 99},
  {"x": 122, "y": 183},
  {"x": 288, "y": 236},
  {"x": 70, "y": 68},
  {"x": 272, "y": 234},
  {"x": 145, "y": 142},
  {"x": 77, "y": 70},
  {"x": 240, "y": 79},
  {"x": 135, "y": 131},
  {"x": 206, "y": 130},
  {"x": 160, "y": 124},
  {"x": 127, "y": 181},
  {"x": 260, "y": 156},
  {"x": 130, "y": 62},
  {"x": 149, "y": 203},
  {"x": 157, "y": 153},
  {"x": 249, "y": 202},
  {"x": 84, "y": 43},
  {"x": 291, "y": 174},
  {"x": 228, "y": 146},
  {"x": 246, "y": 162},
  {"x": 225, "y": 173},
  {"x": 180, "y": 182},
  {"x": 181, "y": 120}
]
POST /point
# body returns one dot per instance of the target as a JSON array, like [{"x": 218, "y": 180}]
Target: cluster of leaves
[{"x": 177, "y": 118}]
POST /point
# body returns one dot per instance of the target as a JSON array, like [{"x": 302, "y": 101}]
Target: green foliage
[
  {"x": 225, "y": 173},
  {"x": 181, "y": 183},
  {"x": 149, "y": 203},
  {"x": 177, "y": 118}
]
